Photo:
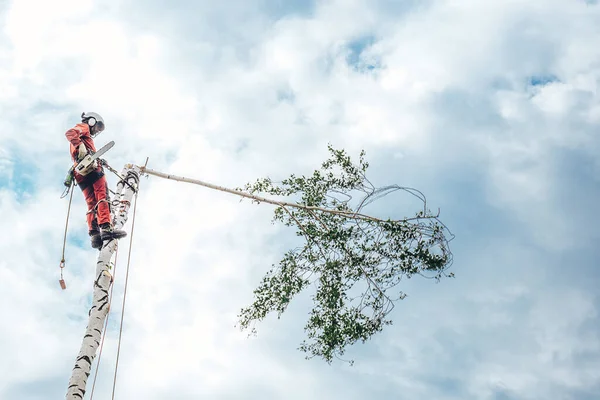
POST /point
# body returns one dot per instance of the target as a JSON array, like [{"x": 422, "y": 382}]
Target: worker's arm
[{"x": 74, "y": 136}]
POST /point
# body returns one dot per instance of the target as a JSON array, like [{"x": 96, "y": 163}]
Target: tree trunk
[{"x": 102, "y": 283}]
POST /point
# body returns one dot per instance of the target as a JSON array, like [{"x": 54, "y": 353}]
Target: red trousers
[{"x": 96, "y": 197}]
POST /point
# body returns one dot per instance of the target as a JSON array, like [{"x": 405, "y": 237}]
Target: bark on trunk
[{"x": 102, "y": 283}]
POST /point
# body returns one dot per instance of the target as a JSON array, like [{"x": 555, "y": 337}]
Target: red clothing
[
  {"x": 97, "y": 192},
  {"x": 80, "y": 133},
  {"x": 93, "y": 185}
]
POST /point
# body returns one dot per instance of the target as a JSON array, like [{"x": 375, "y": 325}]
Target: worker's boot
[
  {"x": 96, "y": 239},
  {"x": 108, "y": 232}
]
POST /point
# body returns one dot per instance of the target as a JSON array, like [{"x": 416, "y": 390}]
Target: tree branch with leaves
[{"x": 354, "y": 261}]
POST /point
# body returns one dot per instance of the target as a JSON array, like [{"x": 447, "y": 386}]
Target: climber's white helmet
[{"x": 94, "y": 121}]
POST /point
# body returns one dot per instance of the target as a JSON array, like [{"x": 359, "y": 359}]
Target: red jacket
[{"x": 80, "y": 133}]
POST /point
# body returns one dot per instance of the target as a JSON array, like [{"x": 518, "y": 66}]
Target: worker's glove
[{"x": 82, "y": 152}]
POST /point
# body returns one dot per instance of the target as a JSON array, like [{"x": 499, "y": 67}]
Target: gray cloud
[{"x": 489, "y": 109}]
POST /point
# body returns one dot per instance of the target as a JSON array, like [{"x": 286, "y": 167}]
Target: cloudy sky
[{"x": 490, "y": 108}]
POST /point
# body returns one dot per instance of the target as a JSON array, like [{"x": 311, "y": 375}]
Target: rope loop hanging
[{"x": 61, "y": 281}]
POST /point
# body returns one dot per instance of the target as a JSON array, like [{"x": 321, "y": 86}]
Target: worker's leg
[
  {"x": 100, "y": 188},
  {"x": 90, "y": 200},
  {"x": 103, "y": 208}
]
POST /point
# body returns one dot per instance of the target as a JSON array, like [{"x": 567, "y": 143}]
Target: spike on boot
[
  {"x": 95, "y": 239},
  {"x": 108, "y": 232}
]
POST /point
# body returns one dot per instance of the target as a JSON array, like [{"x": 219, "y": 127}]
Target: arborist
[{"x": 93, "y": 184}]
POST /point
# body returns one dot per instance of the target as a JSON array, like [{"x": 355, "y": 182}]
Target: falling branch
[{"x": 343, "y": 247}]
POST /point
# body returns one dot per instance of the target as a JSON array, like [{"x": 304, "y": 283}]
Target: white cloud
[{"x": 200, "y": 93}]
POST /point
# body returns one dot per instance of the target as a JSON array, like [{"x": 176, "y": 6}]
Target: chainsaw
[{"x": 89, "y": 162}]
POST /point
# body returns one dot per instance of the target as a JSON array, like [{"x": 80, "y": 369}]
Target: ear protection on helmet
[{"x": 92, "y": 119}]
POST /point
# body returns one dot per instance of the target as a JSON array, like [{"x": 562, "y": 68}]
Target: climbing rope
[
  {"x": 105, "y": 325},
  {"x": 62, "y": 283},
  {"x": 124, "y": 295}
]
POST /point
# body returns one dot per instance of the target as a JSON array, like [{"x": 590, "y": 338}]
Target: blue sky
[{"x": 491, "y": 109}]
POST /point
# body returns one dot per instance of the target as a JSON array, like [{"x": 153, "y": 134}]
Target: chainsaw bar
[
  {"x": 88, "y": 164},
  {"x": 103, "y": 149}
]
